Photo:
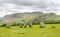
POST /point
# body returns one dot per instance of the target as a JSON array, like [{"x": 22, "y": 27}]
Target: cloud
[
  {"x": 14, "y": 6},
  {"x": 9, "y": 8},
  {"x": 42, "y": 4}
]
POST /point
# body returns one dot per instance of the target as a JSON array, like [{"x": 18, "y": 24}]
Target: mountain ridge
[{"x": 16, "y": 17}]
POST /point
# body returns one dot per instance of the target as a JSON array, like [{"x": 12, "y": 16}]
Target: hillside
[
  {"x": 20, "y": 16},
  {"x": 17, "y": 17}
]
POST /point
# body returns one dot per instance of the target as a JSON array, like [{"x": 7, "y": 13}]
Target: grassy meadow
[{"x": 35, "y": 31}]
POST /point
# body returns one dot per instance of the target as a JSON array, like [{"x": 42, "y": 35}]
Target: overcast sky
[{"x": 16, "y": 6}]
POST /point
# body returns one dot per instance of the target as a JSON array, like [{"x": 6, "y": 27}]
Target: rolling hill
[{"x": 17, "y": 17}]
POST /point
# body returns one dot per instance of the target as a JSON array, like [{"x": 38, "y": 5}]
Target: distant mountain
[
  {"x": 17, "y": 17},
  {"x": 21, "y": 16},
  {"x": 37, "y": 12}
]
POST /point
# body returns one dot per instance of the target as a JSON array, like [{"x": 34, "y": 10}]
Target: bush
[
  {"x": 3, "y": 25},
  {"x": 35, "y": 22},
  {"x": 18, "y": 24},
  {"x": 52, "y": 22},
  {"x": 14, "y": 24}
]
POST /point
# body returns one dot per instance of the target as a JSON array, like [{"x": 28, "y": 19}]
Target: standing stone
[
  {"x": 42, "y": 19},
  {"x": 21, "y": 26},
  {"x": 25, "y": 26},
  {"x": 7, "y": 25},
  {"x": 42, "y": 25},
  {"x": 30, "y": 25}
]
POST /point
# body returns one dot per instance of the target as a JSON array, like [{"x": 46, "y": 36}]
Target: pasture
[{"x": 35, "y": 31}]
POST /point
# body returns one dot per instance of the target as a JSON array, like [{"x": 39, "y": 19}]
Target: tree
[
  {"x": 18, "y": 24},
  {"x": 3, "y": 25},
  {"x": 14, "y": 24},
  {"x": 35, "y": 21}
]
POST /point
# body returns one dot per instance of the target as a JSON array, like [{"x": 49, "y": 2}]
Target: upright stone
[
  {"x": 42, "y": 25},
  {"x": 7, "y": 25},
  {"x": 30, "y": 24},
  {"x": 22, "y": 24},
  {"x": 25, "y": 26},
  {"x": 42, "y": 19}
]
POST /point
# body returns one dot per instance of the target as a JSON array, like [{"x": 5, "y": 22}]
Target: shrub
[{"x": 3, "y": 25}]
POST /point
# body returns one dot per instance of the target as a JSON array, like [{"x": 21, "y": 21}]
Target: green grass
[{"x": 31, "y": 32}]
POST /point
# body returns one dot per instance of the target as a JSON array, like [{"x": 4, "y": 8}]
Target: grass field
[{"x": 31, "y": 32}]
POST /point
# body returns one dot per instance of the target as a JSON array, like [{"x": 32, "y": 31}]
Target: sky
[{"x": 20, "y": 6}]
